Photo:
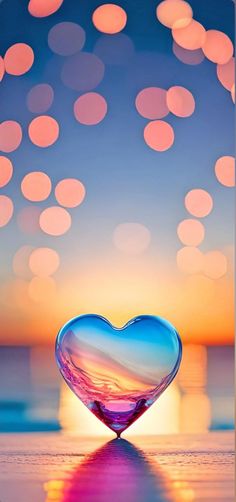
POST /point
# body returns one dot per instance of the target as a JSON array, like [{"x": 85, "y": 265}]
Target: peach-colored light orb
[
  {"x": 191, "y": 232},
  {"x": 159, "y": 135},
  {"x": 20, "y": 263},
  {"x": 174, "y": 13},
  {"x": 226, "y": 73},
  {"x": 225, "y": 170},
  {"x": 43, "y": 131},
  {"x": 10, "y": 135},
  {"x": 217, "y": 47},
  {"x": 42, "y": 289},
  {"x": 198, "y": 202},
  {"x": 90, "y": 108},
  {"x": 55, "y": 220},
  {"x": 131, "y": 238},
  {"x": 28, "y": 219},
  {"x": 18, "y": 59},
  {"x": 233, "y": 93},
  {"x": 214, "y": 264},
  {"x": 6, "y": 170},
  {"x": 36, "y": 186},
  {"x": 109, "y": 18},
  {"x": 2, "y": 68},
  {"x": 44, "y": 262},
  {"x": 190, "y": 37},
  {"x": 190, "y": 260},
  {"x": 190, "y": 57},
  {"x": 180, "y": 101},
  {"x": 70, "y": 192},
  {"x": 6, "y": 210},
  {"x": 151, "y": 103},
  {"x": 43, "y": 8}
]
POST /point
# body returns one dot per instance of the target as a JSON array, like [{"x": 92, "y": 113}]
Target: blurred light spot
[
  {"x": 214, "y": 264},
  {"x": 66, "y": 38},
  {"x": 233, "y": 93},
  {"x": 42, "y": 289},
  {"x": 6, "y": 170},
  {"x": 28, "y": 219},
  {"x": 131, "y": 238},
  {"x": 198, "y": 202},
  {"x": 43, "y": 131},
  {"x": 40, "y": 98},
  {"x": 225, "y": 170},
  {"x": 82, "y": 72},
  {"x": 159, "y": 135},
  {"x": 55, "y": 220},
  {"x": 226, "y": 73},
  {"x": 180, "y": 101},
  {"x": 191, "y": 37},
  {"x": 10, "y": 135},
  {"x": 90, "y": 108},
  {"x": 151, "y": 103},
  {"x": 36, "y": 186},
  {"x": 191, "y": 57},
  {"x": 192, "y": 422},
  {"x": 18, "y": 59},
  {"x": 191, "y": 232},
  {"x": 2, "y": 68},
  {"x": 20, "y": 263},
  {"x": 109, "y": 18},
  {"x": 217, "y": 47},
  {"x": 44, "y": 262},
  {"x": 115, "y": 50},
  {"x": 6, "y": 210},
  {"x": 43, "y": 8},
  {"x": 174, "y": 14},
  {"x": 190, "y": 260},
  {"x": 70, "y": 192}
]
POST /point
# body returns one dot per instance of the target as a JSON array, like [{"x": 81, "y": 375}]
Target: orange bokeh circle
[
  {"x": 18, "y": 59},
  {"x": 217, "y": 47},
  {"x": 191, "y": 36},
  {"x": 36, "y": 186},
  {"x": 44, "y": 261},
  {"x": 6, "y": 210},
  {"x": 174, "y": 13},
  {"x": 109, "y": 18},
  {"x": 180, "y": 101},
  {"x": 43, "y": 8},
  {"x": 55, "y": 220},
  {"x": 225, "y": 170},
  {"x": 159, "y": 135},
  {"x": 43, "y": 131},
  {"x": 70, "y": 192},
  {"x": 6, "y": 170},
  {"x": 198, "y": 202},
  {"x": 191, "y": 232},
  {"x": 10, "y": 135}
]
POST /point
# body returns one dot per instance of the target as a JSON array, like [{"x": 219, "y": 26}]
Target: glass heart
[{"x": 118, "y": 373}]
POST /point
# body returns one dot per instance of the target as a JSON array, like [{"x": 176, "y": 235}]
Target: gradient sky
[{"x": 125, "y": 180}]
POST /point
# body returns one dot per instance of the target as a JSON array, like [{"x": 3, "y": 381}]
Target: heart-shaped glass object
[{"x": 118, "y": 373}]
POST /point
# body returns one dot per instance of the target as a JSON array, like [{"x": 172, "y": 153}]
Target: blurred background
[{"x": 116, "y": 198}]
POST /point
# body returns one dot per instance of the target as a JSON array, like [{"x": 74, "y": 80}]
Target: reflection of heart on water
[{"x": 117, "y": 472}]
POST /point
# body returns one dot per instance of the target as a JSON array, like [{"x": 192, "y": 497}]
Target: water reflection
[{"x": 119, "y": 472}]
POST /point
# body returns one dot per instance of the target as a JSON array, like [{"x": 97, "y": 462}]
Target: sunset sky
[{"x": 122, "y": 252}]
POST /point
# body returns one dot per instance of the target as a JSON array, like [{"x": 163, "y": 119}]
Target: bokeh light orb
[
  {"x": 180, "y": 101},
  {"x": 43, "y": 131},
  {"x": 10, "y": 136},
  {"x": 44, "y": 261},
  {"x": 6, "y": 170},
  {"x": 174, "y": 13},
  {"x": 43, "y": 8},
  {"x": 90, "y": 108},
  {"x": 151, "y": 103},
  {"x": 55, "y": 220},
  {"x": 40, "y": 98},
  {"x": 190, "y": 260},
  {"x": 6, "y": 210},
  {"x": 131, "y": 238},
  {"x": 226, "y": 73},
  {"x": 217, "y": 47},
  {"x": 190, "y": 57},
  {"x": 70, "y": 192},
  {"x": 214, "y": 264},
  {"x": 191, "y": 232},
  {"x": 36, "y": 186},
  {"x": 18, "y": 59},
  {"x": 42, "y": 289},
  {"x": 28, "y": 219},
  {"x": 159, "y": 135},
  {"x": 190, "y": 37},
  {"x": 233, "y": 93},
  {"x": 109, "y": 18},
  {"x": 225, "y": 170},
  {"x": 116, "y": 50},
  {"x": 20, "y": 262},
  {"x": 82, "y": 72},
  {"x": 198, "y": 202},
  {"x": 2, "y": 68},
  {"x": 66, "y": 38}
]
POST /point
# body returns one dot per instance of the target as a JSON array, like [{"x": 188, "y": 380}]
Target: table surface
[{"x": 64, "y": 468}]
